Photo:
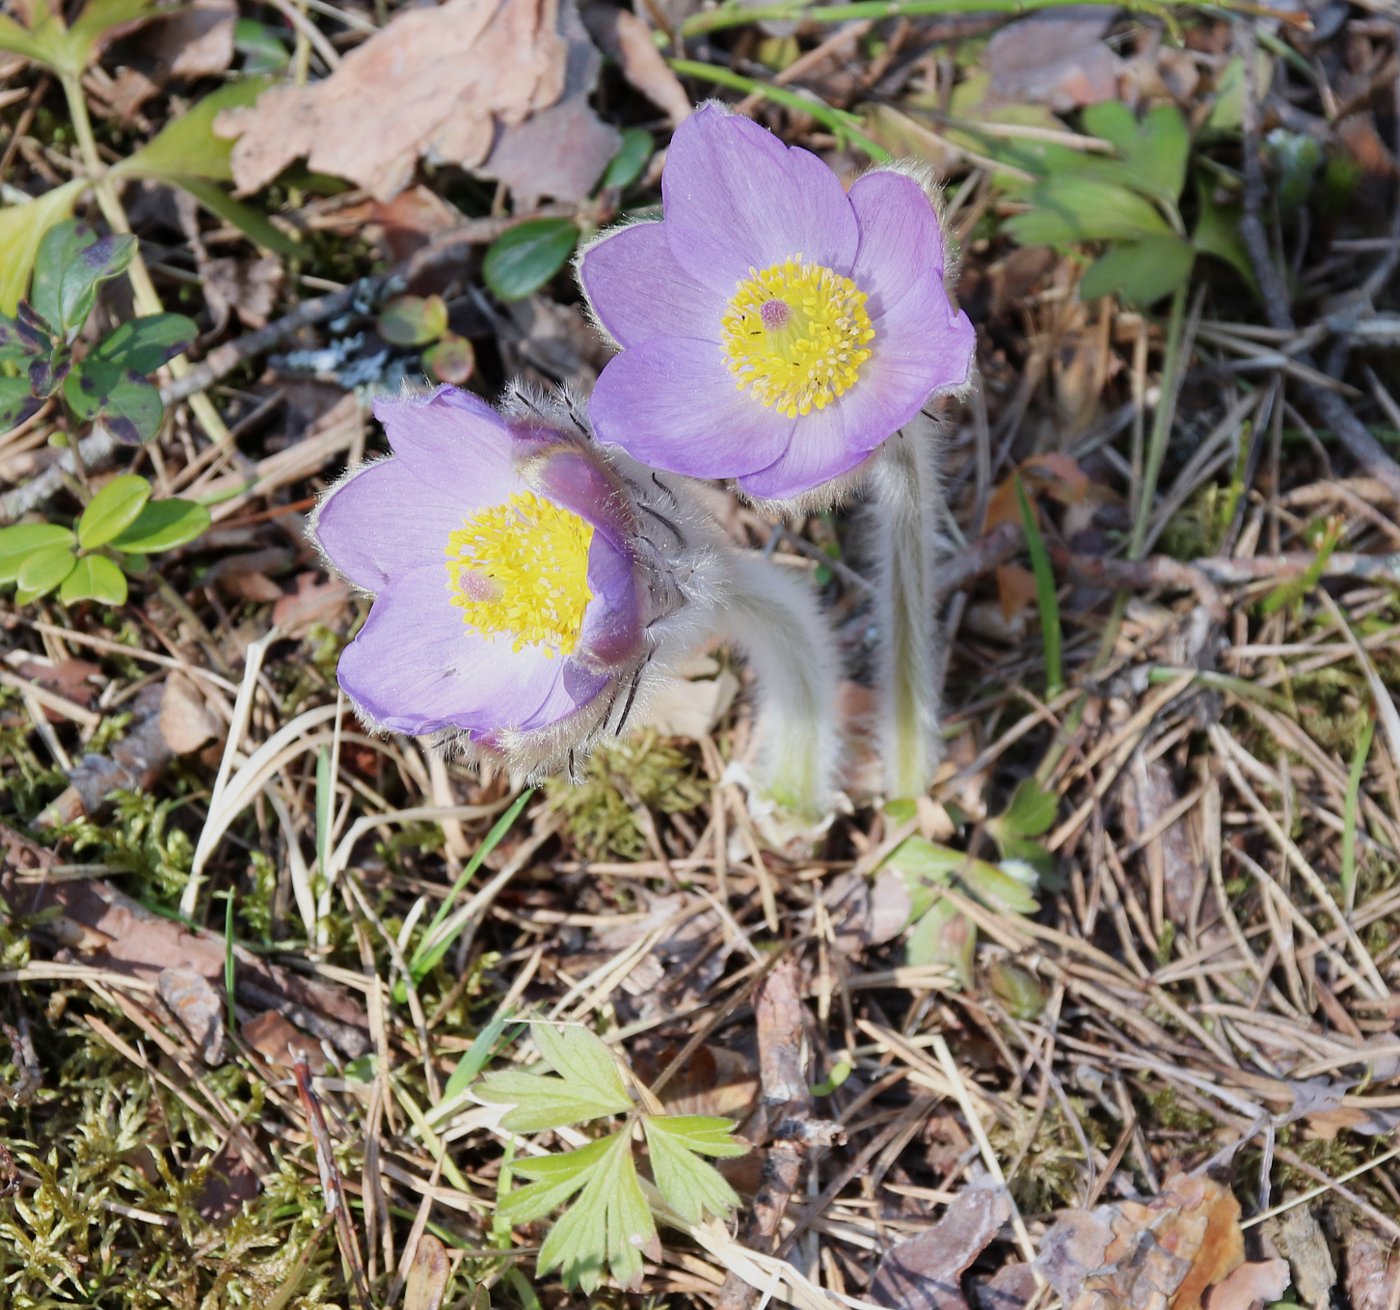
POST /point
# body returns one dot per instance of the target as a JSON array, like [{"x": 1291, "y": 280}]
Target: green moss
[{"x": 601, "y": 813}]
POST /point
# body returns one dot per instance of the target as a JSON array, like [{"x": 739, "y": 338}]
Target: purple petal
[
  {"x": 673, "y": 404},
  {"x": 922, "y": 347},
  {"x": 382, "y": 521},
  {"x": 735, "y": 197},
  {"x": 572, "y": 479},
  {"x": 416, "y": 667},
  {"x": 612, "y": 626},
  {"x": 901, "y": 244},
  {"x": 638, "y": 291},
  {"x": 455, "y": 439},
  {"x": 820, "y": 450},
  {"x": 574, "y": 689}
]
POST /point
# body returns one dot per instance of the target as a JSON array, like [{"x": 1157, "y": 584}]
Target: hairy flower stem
[
  {"x": 776, "y": 621},
  {"x": 906, "y": 536}
]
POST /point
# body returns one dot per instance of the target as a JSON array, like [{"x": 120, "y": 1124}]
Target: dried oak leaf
[
  {"x": 925, "y": 1272},
  {"x": 433, "y": 82}
]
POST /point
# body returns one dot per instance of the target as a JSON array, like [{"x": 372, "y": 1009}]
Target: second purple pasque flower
[{"x": 774, "y": 327}]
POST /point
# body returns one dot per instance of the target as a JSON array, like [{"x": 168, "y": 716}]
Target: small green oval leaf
[
  {"x": 94, "y": 577},
  {"x": 451, "y": 360},
  {"x": 21, "y": 540},
  {"x": 413, "y": 320},
  {"x": 632, "y": 155},
  {"x": 44, "y": 570},
  {"x": 163, "y": 525},
  {"x": 112, "y": 510},
  {"x": 522, "y": 260}
]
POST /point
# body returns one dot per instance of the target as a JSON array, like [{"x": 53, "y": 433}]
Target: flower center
[
  {"x": 795, "y": 335},
  {"x": 522, "y": 569}
]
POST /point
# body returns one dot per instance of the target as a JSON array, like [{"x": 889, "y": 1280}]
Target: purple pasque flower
[
  {"x": 517, "y": 597},
  {"x": 774, "y": 327}
]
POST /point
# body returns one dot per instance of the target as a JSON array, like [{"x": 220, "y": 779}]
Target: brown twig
[{"x": 1330, "y": 407}]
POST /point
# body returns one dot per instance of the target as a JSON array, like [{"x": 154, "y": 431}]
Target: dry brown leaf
[
  {"x": 1373, "y": 1269},
  {"x": 1015, "y": 589},
  {"x": 197, "y": 1007},
  {"x": 316, "y": 599},
  {"x": 436, "y": 82},
  {"x": 1251, "y": 1286},
  {"x": 279, "y": 1042},
  {"x": 196, "y": 40},
  {"x": 247, "y": 287},
  {"x": 427, "y": 1275},
  {"x": 629, "y": 41},
  {"x": 185, "y": 720},
  {"x": 562, "y": 150},
  {"x": 1300, "y": 1240},
  {"x": 692, "y": 703},
  {"x": 924, "y": 1272},
  {"x": 1055, "y": 59}
]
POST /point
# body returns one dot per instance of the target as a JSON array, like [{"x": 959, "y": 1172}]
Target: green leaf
[
  {"x": 1047, "y": 600},
  {"x": 22, "y": 540},
  {"x": 1030, "y": 813},
  {"x": 72, "y": 260},
  {"x": 44, "y": 43},
  {"x": 94, "y": 577},
  {"x": 588, "y": 1086},
  {"x": 1140, "y": 272},
  {"x": 450, "y": 360},
  {"x": 413, "y": 320},
  {"x": 558, "y": 1178},
  {"x": 17, "y": 402},
  {"x": 251, "y": 222},
  {"x": 44, "y": 570},
  {"x": 1069, "y": 208},
  {"x": 607, "y": 1228},
  {"x": 261, "y": 50},
  {"x": 1154, "y": 149},
  {"x": 943, "y": 935},
  {"x": 112, "y": 510},
  {"x": 124, "y": 402},
  {"x": 691, "y": 1187},
  {"x": 1003, "y": 887},
  {"x": 523, "y": 259},
  {"x": 22, "y": 228},
  {"x": 187, "y": 146},
  {"x": 1218, "y": 233},
  {"x": 626, "y": 167},
  {"x": 163, "y": 525},
  {"x": 21, "y": 338},
  {"x": 144, "y": 344},
  {"x": 99, "y": 22}
]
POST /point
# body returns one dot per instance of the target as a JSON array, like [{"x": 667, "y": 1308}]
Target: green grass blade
[
  {"x": 1350, "y": 816},
  {"x": 1045, "y": 598}
]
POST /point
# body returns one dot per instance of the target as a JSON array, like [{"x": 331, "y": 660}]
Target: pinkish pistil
[{"x": 775, "y": 314}]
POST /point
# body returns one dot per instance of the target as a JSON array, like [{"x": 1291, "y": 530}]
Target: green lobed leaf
[
  {"x": 44, "y": 43},
  {"x": 22, "y": 228},
  {"x": 144, "y": 344},
  {"x": 44, "y": 570},
  {"x": 1030, "y": 812},
  {"x": 94, "y": 577},
  {"x": 1218, "y": 233},
  {"x": 72, "y": 260},
  {"x": 1071, "y": 208},
  {"x": 690, "y": 1186},
  {"x": 1000, "y": 889},
  {"x": 1154, "y": 148},
  {"x": 523, "y": 259},
  {"x": 187, "y": 146},
  {"x": 1139, "y": 272},
  {"x": 588, "y": 1086},
  {"x": 943, "y": 935},
  {"x": 163, "y": 525},
  {"x": 21, "y": 540},
  {"x": 124, "y": 402},
  {"x": 112, "y": 510},
  {"x": 607, "y": 1229},
  {"x": 101, "y": 21},
  {"x": 557, "y": 1177}
]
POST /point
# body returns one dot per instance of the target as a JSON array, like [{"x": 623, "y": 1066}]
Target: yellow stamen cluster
[
  {"x": 795, "y": 335},
  {"x": 522, "y": 569}
]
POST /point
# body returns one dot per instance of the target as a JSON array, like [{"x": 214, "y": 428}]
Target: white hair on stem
[
  {"x": 905, "y": 517},
  {"x": 777, "y": 621}
]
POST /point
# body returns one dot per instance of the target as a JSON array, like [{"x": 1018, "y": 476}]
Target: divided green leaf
[
  {"x": 1140, "y": 272},
  {"x": 689, "y": 1186},
  {"x": 588, "y": 1085},
  {"x": 1072, "y": 208},
  {"x": 1154, "y": 148}
]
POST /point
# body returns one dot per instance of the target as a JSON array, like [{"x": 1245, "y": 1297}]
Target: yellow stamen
[
  {"x": 794, "y": 335},
  {"x": 522, "y": 569}
]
